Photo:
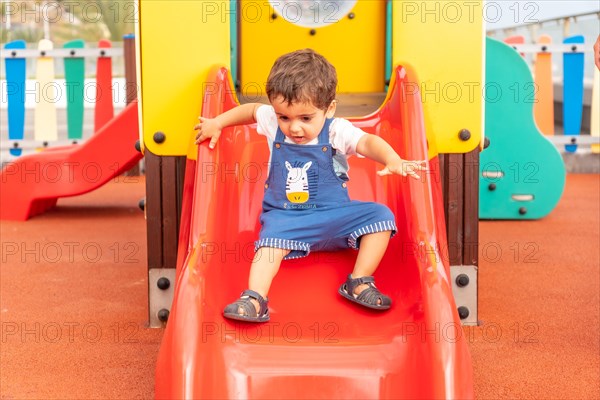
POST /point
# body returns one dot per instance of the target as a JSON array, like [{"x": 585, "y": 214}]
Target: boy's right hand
[{"x": 208, "y": 129}]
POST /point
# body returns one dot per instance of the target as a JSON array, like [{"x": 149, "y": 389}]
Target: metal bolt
[
  {"x": 492, "y": 187},
  {"x": 464, "y": 135},
  {"x": 463, "y": 312},
  {"x": 313, "y": 32},
  {"x": 163, "y": 283},
  {"x": 486, "y": 142},
  {"x": 159, "y": 137},
  {"x": 522, "y": 210},
  {"x": 462, "y": 280},
  {"x": 163, "y": 315},
  {"x": 351, "y": 15}
]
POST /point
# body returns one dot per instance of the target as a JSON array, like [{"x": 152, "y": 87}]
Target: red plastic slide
[
  {"x": 33, "y": 183},
  {"x": 317, "y": 344}
]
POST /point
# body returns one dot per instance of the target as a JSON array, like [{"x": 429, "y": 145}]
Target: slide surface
[
  {"x": 33, "y": 183},
  {"x": 317, "y": 344}
]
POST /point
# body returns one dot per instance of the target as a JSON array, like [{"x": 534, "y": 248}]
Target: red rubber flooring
[{"x": 73, "y": 301}]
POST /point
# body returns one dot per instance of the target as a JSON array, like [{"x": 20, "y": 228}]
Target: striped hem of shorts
[
  {"x": 375, "y": 227},
  {"x": 283, "y": 244}
]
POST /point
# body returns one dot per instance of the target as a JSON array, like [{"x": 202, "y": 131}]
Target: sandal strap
[
  {"x": 245, "y": 304},
  {"x": 371, "y": 296},
  {"x": 262, "y": 302},
  {"x": 352, "y": 283}
]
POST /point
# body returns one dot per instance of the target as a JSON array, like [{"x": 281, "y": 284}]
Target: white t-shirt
[{"x": 343, "y": 136}]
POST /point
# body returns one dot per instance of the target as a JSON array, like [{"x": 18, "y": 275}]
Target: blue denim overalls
[{"x": 306, "y": 205}]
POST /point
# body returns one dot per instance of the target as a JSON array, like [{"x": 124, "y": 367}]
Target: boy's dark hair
[{"x": 303, "y": 76}]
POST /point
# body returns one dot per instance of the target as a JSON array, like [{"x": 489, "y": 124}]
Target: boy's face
[{"x": 301, "y": 122}]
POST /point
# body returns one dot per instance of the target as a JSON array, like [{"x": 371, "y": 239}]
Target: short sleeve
[
  {"x": 344, "y": 136},
  {"x": 266, "y": 121}
]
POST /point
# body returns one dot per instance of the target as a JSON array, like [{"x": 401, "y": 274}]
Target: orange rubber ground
[{"x": 73, "y": 301}]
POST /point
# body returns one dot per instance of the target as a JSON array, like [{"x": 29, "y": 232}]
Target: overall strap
[
  {"x": 279, "y": 136},
  {"x": 324, "y": 134}
]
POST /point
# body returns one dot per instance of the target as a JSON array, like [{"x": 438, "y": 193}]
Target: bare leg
[
  {"x": 372, "y": 249},
  {"x": 265, "y": 266}
]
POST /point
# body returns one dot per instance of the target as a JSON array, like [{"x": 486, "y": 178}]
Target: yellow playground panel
[
  {"x": 354, "y": 43},
  {"x": 442, "y": 42},
  {"x": 174, "y": 67}
]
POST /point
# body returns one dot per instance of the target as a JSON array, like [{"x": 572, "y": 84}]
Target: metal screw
[
  {"x": 463, "y": 312},
  {"x": 159, "y": 137},
  {"x": 464, "y": 134},
  {"x": 163, "y": 315},
  {"x": 462, "y": 280}
]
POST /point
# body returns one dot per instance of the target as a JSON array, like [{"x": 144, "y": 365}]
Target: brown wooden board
[
  {"x": 454, "y": 202},
  {"x": 153, "y": 209},
  {"x": 471, "y": 208},
  {"x": 130, "y": 69},
  {"x": 460, "y": 187},
  {"x": 130, "y": 83},
  {"x": 164, "y": 194}
]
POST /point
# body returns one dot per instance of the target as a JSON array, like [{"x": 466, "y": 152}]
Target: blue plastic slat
[
  {"x": 572, "y": 91},
  {"x": 15, "y": 90}
]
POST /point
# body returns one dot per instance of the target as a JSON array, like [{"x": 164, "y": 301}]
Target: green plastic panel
[
  {"x": 522, "y": 174},
  {"x": 75, "y": 77}
]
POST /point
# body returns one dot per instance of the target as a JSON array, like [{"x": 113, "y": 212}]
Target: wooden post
[
  {"x": 130, "y": 82},
  {"x": 460, "y": 185},
  {"x": 164, "y": 192}
]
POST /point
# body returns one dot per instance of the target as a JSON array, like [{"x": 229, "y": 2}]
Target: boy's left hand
[{"x": 404, "y": 168}]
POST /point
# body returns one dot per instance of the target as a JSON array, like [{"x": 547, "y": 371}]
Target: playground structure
[
  {"x": 38, "y": 171},
  {"x": 189, "y": 188},
  {"x": 181, "y": 234},
  {"x": 516, "y": 183}
]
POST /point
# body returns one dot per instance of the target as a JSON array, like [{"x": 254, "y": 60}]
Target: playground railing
[
  {"x": 565, "y": 91},
  {"x": 57, "y": 109}
]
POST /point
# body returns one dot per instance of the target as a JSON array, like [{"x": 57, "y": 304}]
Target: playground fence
[{"x": 51, "y": 111}]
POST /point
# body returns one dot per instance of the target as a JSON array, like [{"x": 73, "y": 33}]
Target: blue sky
[{"x": 508, "y": 13}]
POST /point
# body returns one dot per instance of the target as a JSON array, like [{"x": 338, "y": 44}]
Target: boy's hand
[
  {"x": 208, "y": 129},
  {"x": 404, "y": 168}
]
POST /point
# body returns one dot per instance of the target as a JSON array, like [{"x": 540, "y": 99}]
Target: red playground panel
[
  {"x": 33, "y": 183},
  {"x": 317, "y": 344}
]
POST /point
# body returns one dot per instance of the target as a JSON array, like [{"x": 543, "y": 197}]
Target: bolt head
[
  {"x": 159, "y": 137},
  {"x": 463, "y": 312},
  {"x": 163, "y": 283},
  {"x": 523, "y": 210},
  {"x": 464, "y": 134},
  {"x": 486, "y": 142},
  {"x": 163, "y": 315},
  {"x": 462, "y": 280}
]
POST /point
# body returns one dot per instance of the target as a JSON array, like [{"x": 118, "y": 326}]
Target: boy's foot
[
  {"x": 250, "y": 307},
  {"x": 363, "y": 291}
]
